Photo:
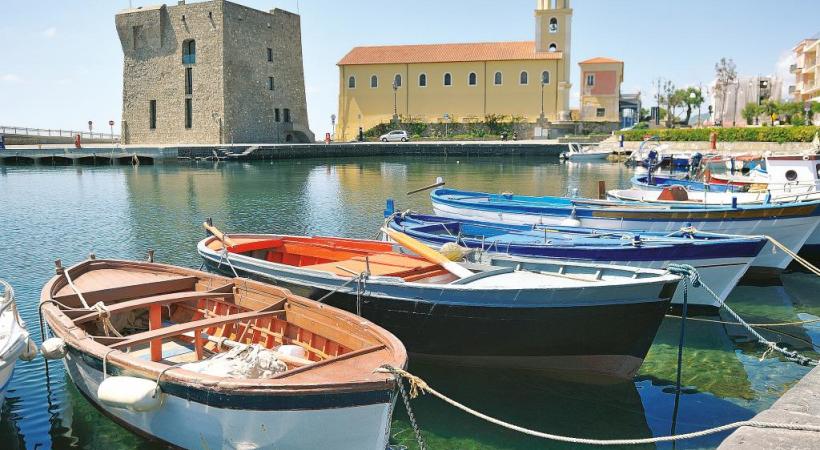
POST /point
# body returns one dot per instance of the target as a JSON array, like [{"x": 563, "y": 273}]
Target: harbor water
[{"x": 121, "y": 211}]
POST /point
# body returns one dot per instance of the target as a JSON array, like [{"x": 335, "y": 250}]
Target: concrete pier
[
  {"x": 102, "y": 154},
  {"x": 800, "y": 405}
]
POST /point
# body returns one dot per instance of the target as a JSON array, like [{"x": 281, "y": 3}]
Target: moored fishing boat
[
  {"x": 791, "y": 224},
  {"x": 581, "y": 153},
  {"x": 199, "y": 360},
  {"x": 14, "y": 339},
  {"x": 554, "y": 316},
  {"x": 720, "y": 261}
]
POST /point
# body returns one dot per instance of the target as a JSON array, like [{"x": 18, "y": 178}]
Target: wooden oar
[
  {"x": 427, "y": 253},
  {"x": 218, "y": 234}
]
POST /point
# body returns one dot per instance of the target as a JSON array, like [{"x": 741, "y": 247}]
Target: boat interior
[
  {"x": 339, "y": 256},
  {"x": 176, "y": 316}
]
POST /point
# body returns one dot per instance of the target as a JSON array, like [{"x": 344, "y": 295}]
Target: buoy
[
  {"x": 30, "y": 352},
  {"x": 131, "y": 393},
  {"x": 291, "y": 350},
  {"x": 453, "y": 251},
  {"x": 53, "y": 348},
  {"x": 571, "y": 221}
]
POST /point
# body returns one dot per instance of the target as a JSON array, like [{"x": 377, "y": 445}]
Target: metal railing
[{"x": 26, "y": 131}]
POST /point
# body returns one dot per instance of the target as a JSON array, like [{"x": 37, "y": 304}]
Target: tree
[
  {"x": 669, "y": 97},
  {"x": 750, "y": 111},
  {"x": 771, "y": 108},
  {"x": 693, "y": 98},
  {"x": 726, "y": 75}
]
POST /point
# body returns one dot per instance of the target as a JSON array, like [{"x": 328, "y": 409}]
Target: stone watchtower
[
  {"x": 553, "y": 32},
  {"x": 212, "y": 72}
]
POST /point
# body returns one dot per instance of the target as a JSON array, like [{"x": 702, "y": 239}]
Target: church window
[
  {"x": 397, "y": 80},
  {"x": 553, "y": 26},
  {"x": 374, "y": 81},
  {"x": 422, "y": 80},
  {"x": 553, "y": 48},
  {"x": 498, "y": 78},
  {"x": 448, "y": 79},
  {"x": 545, "y": 77},
  {"x": 351, "y": 82},
  {"x": 472, "y": 79},
  {"x": 524, "y": 78}
]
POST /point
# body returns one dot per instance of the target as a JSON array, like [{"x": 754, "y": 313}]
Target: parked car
[{"x": 395, "y": 135}]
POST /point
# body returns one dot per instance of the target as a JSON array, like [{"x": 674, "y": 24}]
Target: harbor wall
[{"x": 724, "y": 147}]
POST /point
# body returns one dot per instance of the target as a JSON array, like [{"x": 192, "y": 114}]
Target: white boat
[
  {"x": 196, "y": 360},
  {"x": 14, "y": 339},
  {"x": 577, "y": 153}
]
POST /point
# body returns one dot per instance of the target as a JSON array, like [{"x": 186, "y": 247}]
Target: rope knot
[
  {"x": 417, "y": 385},
  {"x": 686, "y": 271}
]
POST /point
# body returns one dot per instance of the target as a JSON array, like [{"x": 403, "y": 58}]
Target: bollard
[
  {"x": 713, "y": 141},
  {"x": 601, "y": 190}
]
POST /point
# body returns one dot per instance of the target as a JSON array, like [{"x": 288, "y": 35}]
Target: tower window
[
  {"x": 374, "y": 81},
  {"x": 189, "y": 113},
  {"x": 270, "y": 83},
  {"x": 276, "y": 116},
  {"x": 524, "y": 78},
  {"x": 189, "y": 52},
  {"x": 545, "y": 77},
  {"x": 286, "y": 112},
  {"x": 472, "y": 79},
  {"x": 553, "y": 48},
  {"x": 397, "y": 80},
  {"x": 152, "y": 114},
  {"x": 270, "y": 55},
  {"x": 351, "y": 82},
  {"x": 600, "y": 112},
  {"x": 448, "y": 79},
  {"x": 498, "y": 79},
  {"x": 591, "y": 79},
  {"x": 553, "y": 26},
  {"x": 189, "y": 81},
  {"x": 423, "y": 80}
]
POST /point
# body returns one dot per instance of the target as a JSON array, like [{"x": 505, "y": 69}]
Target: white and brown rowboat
[{"x": 328, "y": 396}]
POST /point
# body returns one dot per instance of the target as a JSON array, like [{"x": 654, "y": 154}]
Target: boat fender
[
  {"x": 291, "y": 350},
  {"x": 30, "y": 352},
  {"x": 571, "y": 221},
  {"x": 131, "y": 393},
  {"x": 453, "y": 251},
  {"x": 53, "y": 348}
]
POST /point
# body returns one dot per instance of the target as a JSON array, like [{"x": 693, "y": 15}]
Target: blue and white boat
[
  {"x": 720, "y": 261},
  {"x": 14, "y": 339},
  {"x": 791, "y": 224}
]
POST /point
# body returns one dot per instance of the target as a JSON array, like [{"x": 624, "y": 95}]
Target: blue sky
[{"x": 61, "y": 63}]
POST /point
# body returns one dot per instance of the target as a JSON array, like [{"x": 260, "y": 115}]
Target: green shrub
[{"x": 749, "y": 134}]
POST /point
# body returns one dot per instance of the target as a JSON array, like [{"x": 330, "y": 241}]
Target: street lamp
[
  {"x": 543, "y": 80},
  {"x": 395, "y": 108}
]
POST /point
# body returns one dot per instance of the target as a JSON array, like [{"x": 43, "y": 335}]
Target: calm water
[{"x": 120, "y": 212}]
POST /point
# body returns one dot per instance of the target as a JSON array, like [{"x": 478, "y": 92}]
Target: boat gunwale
[{"x": 77, "y": 338}]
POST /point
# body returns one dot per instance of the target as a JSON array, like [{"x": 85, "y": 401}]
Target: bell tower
[
  {"x": 553, "y": 30},
  {"x": 553, "y": 23}
]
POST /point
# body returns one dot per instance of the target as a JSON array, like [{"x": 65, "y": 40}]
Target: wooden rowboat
[
  {"x": 198, "y": 360},
  {"x": 552, "y": 316}
]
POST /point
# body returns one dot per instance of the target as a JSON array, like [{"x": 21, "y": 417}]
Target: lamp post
[
  {"x": 333, "y": 126},
  {"x": 542, "y": 100},
  {"x": 395, "y": 108}
]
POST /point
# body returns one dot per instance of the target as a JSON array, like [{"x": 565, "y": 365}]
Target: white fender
[
  {"x": 135, "y": 394},
  {"x": 30, "y": 352},
  {"x": 53, "y": 348}
]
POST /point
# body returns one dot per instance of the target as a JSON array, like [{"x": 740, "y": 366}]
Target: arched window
[
  {"x": 448, "y": 79},
  {"x": 189, "y": 51},
  {"x": 422, "y": 79},
  {"x": 397, "y": 80},
  {"x": 524, "y": 78},
  {"x": 374, "y": 81},
  {"x": 351, "y": 82},
  {"x": 553, "y": 26},
  {"x": 472, "y": 79},
  {"x": 553, "y": 48},
  {"x": 545, "y": 77},
  {"x": 498, "y": 78}
]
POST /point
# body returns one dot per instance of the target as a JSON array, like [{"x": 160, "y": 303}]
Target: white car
[{"x": 395, "y": 135}]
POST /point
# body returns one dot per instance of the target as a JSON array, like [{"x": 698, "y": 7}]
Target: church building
[{"x": 461, "y": 82}]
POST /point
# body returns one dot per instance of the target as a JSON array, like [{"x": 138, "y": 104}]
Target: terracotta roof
[
  {"x": 433, "y": 53},
  {"x": 601, "y": 60}
]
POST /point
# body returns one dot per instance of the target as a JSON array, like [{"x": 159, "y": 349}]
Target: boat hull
[
  {"x": 584, "y": 331},
  {"x": 295, "y": 424},
  {"x": 579, "y": 157},
  {"x": 791, "y": 230}
]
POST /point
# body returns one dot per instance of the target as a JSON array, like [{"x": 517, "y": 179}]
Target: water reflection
[{"x": 122, "y": 211}]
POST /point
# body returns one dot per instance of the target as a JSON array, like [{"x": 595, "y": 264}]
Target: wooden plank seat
[
  {"x": 178, "y": 329},
  {"x": 381, "y": 264},
  {"x": 162, "y": 300},
  {"x": 130, "y": 291}
]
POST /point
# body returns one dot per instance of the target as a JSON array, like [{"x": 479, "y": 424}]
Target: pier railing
[{"x": 25, "y": 131}]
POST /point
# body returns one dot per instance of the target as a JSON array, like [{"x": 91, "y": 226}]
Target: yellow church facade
[{"x": 462, "y": 82}]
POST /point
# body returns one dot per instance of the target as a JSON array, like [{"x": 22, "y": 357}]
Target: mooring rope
[
  {"x": 759, "y": 325},
  {"x": 418, "y": 385}
]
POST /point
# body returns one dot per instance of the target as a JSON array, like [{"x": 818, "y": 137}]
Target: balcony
[
  {"x": 792, "y": 89},
  {"x": 794, "y": 68},
  {"x": 189, "y": 59}
]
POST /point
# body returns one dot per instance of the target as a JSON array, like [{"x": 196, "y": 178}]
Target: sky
[{"x": 61, "y": 61}]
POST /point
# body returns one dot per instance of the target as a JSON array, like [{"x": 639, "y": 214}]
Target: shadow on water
[{"x": 120, "y": 212}]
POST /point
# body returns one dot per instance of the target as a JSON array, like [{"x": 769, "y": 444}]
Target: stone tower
[
  {"x": 553, "y": 32},
  {"x": 212, "y": 72}
]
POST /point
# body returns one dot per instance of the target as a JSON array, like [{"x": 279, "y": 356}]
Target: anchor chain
[{"x": 414, "y": 389}]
